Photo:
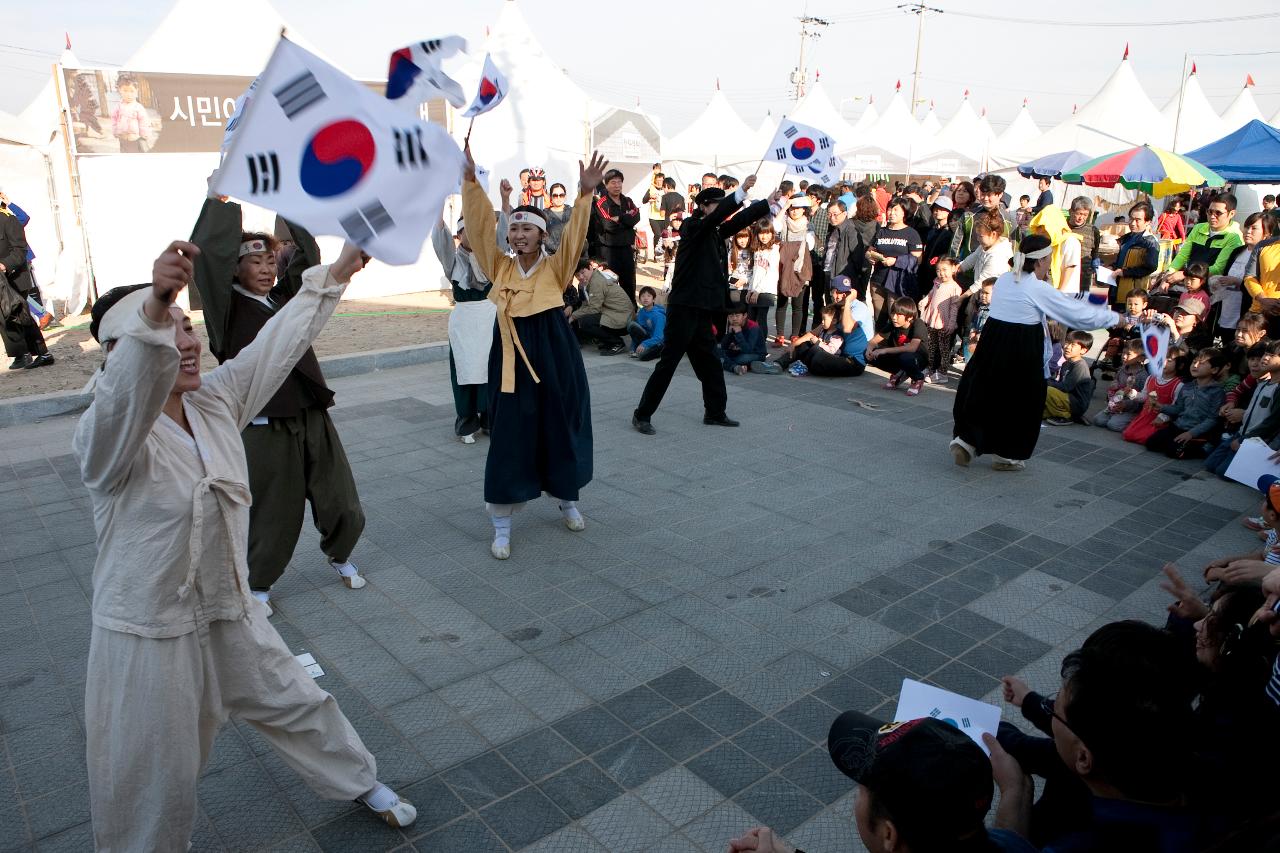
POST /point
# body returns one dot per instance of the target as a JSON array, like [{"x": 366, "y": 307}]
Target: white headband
[
  {"x": 1019, "y": 257},
  {"x": 524, "y": 217},
  {"x": 252, "y": 247}
]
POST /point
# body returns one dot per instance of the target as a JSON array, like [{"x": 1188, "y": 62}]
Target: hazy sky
[{"x": 669, "y": 54}]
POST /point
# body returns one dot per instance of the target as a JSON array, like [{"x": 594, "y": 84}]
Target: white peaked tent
[
  {"x": 718, "y": 141},
  {"x": 1019, "y": 133},
  {"x": 1199, "y": 123},
  {"x": 1119, "y": 116},
  {"x": 930, "y": 125},
  {"x": 766, "y": 131},
  {"x": 1241, "y": 111},
  {"x": 867, "y": 120},
  {"x": 962, "y": 133},
  {"x": 816, "y": 110},
  {"x": 888, "y": 146}
]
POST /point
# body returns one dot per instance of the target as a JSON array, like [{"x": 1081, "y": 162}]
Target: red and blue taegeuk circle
[
  {"x": 336, "y": 158},
  {"x": 488, "y": 89},
  {"x": 803, "y": 148},
  {"x": 1153, "y": 344},
  {"x": 401, "y": 74}
]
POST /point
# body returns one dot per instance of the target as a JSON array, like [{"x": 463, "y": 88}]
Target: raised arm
[
  {"x": 247, "y": 382},
  {"x": 442, "y": 245},
  {"x": 217, "y": 233},
  {"x": 574, "y": 236},
  {"x": 1067, "y": 309},
  {"x": 137, "y": 378}
]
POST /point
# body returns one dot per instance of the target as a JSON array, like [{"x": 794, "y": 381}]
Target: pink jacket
[{"x": 940, "y": 307}]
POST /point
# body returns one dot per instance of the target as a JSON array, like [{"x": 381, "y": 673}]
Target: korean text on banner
[
  {"x": 806, "y": 152},
  {"x": 324, "y": 151}
]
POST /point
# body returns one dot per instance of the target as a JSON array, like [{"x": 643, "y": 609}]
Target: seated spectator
[
  {"x": 1184, "y": 325},
  {"x": 1116, "y": 722},
  {"x": 923, "y": 785},
  {"x": 1193, "y": 283},
  {"x": 979, "y": 310},
  {"x": 1128, "y": 329},
  {"x": 647, "y": 328},
  {"x": 1126, "y": 395},
  {"x": 605, "y": 311},
  {"x": 837, "y": 345},
  {"x": 1251, "y": 329},
  {"x": 1250, "y": 568},
  {"x": 899, "y": 348},
  {"x": 1189, "y": 421},
  {"x": 1069, "y": 395},
  {"x": 1250, "y": 412},
  {"x": 1159, "y": 392},
  {"x": 743, "y": 342}
]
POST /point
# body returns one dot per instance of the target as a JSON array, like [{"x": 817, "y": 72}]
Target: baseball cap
[
  {"x": 934, "y": 781},
  {"x": 841, "y": 283},
  {"x": 943, "y": 202},
  {"x": 1191, "y": 305},
  {"x": 1269, "y": 485}
]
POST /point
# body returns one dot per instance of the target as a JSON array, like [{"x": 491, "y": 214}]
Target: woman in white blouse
[
  {"x": 178, "y": 644},
  {"x": 1000, "y": 401}
]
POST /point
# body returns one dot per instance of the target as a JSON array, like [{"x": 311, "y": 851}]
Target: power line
[{"x": 1041, "y": 22}]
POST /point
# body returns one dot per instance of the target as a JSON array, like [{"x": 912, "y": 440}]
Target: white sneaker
[
  {"x": 468, "y": 439},
  {"x": 265, "y": 598},
  {"x": 940, "y": 378},
  {"x": 572, "y": 518},
  {"x": 349, "y": 573},
  {"x": 500, "y": 548},
  {"x": 383, "y": 802},
  {"x": 1002, "y": 464}
]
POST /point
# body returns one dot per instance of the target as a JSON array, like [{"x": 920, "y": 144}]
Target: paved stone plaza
[{"x": 659, "y": 682}]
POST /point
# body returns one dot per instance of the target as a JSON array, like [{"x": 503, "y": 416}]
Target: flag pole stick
[{"x": 470, "y": 125}]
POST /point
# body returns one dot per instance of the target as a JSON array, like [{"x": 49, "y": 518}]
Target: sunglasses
[
  {"x": 1213, "y": 212},
  {"x": 557, "y": 195}
]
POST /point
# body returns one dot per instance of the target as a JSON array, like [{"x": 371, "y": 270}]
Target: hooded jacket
[{"x": 1053, "y": 224}]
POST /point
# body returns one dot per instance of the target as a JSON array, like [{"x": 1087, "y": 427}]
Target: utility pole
[
  {"x": 808, "y": 30},
  {"x": 918, "y": 9}
]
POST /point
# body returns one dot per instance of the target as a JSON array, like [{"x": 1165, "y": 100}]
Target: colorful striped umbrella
[{"x": 1152, "y": 170}]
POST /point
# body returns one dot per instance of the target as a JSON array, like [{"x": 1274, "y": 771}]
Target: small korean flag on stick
[
  {"x": 1155, "y": 344},
  {"x": 326, "y": 152},
  {"x": 491, "y": 91},
  {"x": 416, "y": 74},
  {"x": 804, "y": 152}
]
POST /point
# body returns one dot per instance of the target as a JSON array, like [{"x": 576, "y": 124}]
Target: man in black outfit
[
  {"x": 22, "y": 338},
  {"x": 700, "y": 292}
]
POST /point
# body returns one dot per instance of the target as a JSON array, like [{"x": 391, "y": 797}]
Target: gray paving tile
[
  {"x": 771, "y": 742},
  {"x": 580, "y": 789},
  {"x": 466, "y": 836},
  {"x": 524, "y": 817},
  {"x": 727, "y": 768},
  {"x": 679, "y": 796},
  {"x": 626, "y": 825},
  {"x": 779, "y": 803},
  {"x": 592, "y": 729},
  {"x": 725, "y": 713},
  {"x": 632, "y": 761},
  {"x": 639, "y": 707},
  {"x": 483, "y": 779},
  {"x": 683, "y": 686},
  {"x": 680, "y": 736},
  {"x": 540, "y": 753}
]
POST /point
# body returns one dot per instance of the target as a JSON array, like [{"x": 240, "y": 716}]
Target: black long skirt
[
  {"x": 540, "y": 436},
  {"x": 1000, "y": 402}
]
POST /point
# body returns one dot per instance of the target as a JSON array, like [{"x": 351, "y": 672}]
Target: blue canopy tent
[
  {"x": 1053, "y": 165},
  {"x": 1249, "y": 155}
]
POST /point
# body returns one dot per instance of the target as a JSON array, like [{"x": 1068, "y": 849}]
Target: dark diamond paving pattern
[{"x": 673, "y": 667}]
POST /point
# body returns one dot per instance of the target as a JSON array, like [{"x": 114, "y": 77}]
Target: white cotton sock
[
  {"x": 569, "y": 509},
  {"x": 380, "y": 798},
  {"x": 501, "y": 529},
  {"x": 346, "y": 569},
  {"x": 264, "y": 597}
]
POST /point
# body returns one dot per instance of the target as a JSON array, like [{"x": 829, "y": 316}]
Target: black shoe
[
  {"x": 40, "y": 361},
  {"x": 722, "y": 420},
  {"x": 613, "y": 350},
  {"x": 21, "y": 362},
  {"x": 642, "y": 426}
]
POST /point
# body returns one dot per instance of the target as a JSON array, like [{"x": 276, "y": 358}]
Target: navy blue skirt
[{"x": 540, "y": 436}]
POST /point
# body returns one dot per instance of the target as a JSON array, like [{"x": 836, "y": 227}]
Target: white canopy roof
[
  {"x": 815, "y": 109},
  {"x": 1020, "y": 131},
  {"x": 895, "y": 130},
  {"x": 1200, "y": 123},
  {"x": 1119, "y": 116},
  {"x": 867, "y": 120},
  {"x": 1241, "y": 111},
  {"x": 190, "y": 40},
  {"x": 717, "y": 138},
  {"x": 930, "y": 125},
  {"x": 963, "y": 133},
  {"x": 15, "y": 131},
  {"x": 766, "y": 131}
]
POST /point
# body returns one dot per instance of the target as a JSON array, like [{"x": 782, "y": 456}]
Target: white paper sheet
[
  {"x": 968, "y": 715},
  {"x": 309, "y": 664},
  {"x": 1252, "y": 461},
  {"x": 1106, "y": 275}
]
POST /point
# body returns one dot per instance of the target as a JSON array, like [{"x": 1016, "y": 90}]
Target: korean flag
[
  {"x": 492, "y": 89},
  {"x": 328, "y": 153},
  {"x": 798, "y": 144}
]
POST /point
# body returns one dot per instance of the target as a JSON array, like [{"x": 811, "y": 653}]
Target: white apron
[{"x": 470, "y": 336}]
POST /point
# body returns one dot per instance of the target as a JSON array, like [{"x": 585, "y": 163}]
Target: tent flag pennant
[
  {"x": 415, "y": 73},
  {"x": 491, "y": 91},
  {"x": 804, "y": 151},
  {"x": 330, "y": 154}
]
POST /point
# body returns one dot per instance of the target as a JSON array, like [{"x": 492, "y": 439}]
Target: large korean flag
[
  {"x": 805, "y": 151},
  {"x": 326, "y": 152}
]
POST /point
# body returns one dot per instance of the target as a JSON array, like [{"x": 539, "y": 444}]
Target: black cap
[
  {"x": 708, "y": 195},
  {"x": 933, "y": 780}
]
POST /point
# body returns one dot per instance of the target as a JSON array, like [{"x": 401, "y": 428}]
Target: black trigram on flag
[
  {"x": 824, "y": 143},
  {"x": 780, "y": 153},
  {"x": 429, "y": 46},
  {"x": 366, "y": 223},
  {"x": 299, "y": 93},
  {"x": 797, "y": 169},
  {"x": 790, "y": 132},
  {"x": 409, "y": 148},
  {"x": 264, "y": 173}
]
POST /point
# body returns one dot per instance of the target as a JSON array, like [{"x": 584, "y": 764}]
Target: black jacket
[
  {"x": 13, "y": 254},
  {"x": 701, "y": 277}
]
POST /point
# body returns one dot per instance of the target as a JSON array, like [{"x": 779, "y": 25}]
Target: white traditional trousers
[{"x": 154, "y": 706}]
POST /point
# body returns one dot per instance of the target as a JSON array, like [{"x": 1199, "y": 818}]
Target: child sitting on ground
[
  {"x": 647, "y": 329},
  {"x": 1159, "y": 391},
  {"x": 938, "y": 310},
  {"x": 1251, "y": 329},
  {"x": 1125, "y": 397},
  {"x": 979, "y": 310},
  {"x": 1068, "y": 397},
  {"x": 1191, "y": 420},
  {"x": 1260, "y": 418},
  {"x": 743, "y": 342},
  {"x": 899, "y": 347},
  {"x": 1126, "y": 330}
]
